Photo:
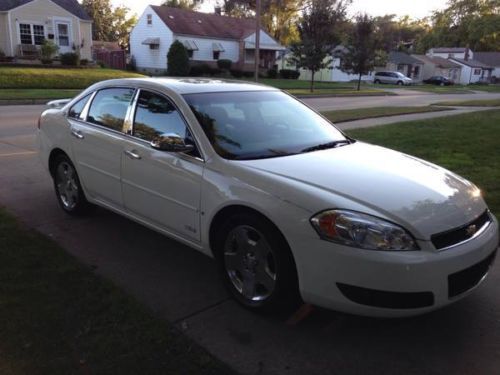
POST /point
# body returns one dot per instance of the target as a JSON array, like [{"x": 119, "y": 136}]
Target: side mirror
[{"x": 172, "y": 143}]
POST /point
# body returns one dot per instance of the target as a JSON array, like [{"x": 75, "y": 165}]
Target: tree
[
  {"x": 177, "y": 60},
  {"x": 318, "y": 31},
  {"x": 111, "y": 25},
  {"x": 182, "y": 4},
  {"x": 362, "y": 45}
]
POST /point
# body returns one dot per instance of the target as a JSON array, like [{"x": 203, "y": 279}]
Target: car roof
[{"x": 189, "y": 85}]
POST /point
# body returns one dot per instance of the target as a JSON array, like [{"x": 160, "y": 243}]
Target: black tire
[
  {"x": 400, "y": 83},
  {"x": 376, "y": 81},
  {"x": 69, "y": 192},
  {"x": 284, "y": 296}
]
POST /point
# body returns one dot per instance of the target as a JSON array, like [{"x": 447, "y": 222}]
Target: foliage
[
  {"x": 318, "y": 30},
  {"x": 2, "y": 54},
  {"x": 399, "y": 34},
  {"x": 111, "y": 25},
  {"x": 48, "y": 49},
  {"x": 84, "y": 62},
  {"x": 56, "y": 78},
  {"x": 177, "y": 60},
  {"x": 272, "y": 73},
  {"x": 70, "y": 58},
  {"x": 361, "y": 48},
  {"x": 464, "y": 23},
  {"x": 289, "y": 74},
  {"x": 278, "y": 17},
  {"x": 182, "y": 4},
  {"x": 224, "y": 64}
]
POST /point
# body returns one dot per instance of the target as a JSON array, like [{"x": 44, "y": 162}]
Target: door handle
[
  {"x": 77, "y": 134},
  {"x": 132, "y": 154}
]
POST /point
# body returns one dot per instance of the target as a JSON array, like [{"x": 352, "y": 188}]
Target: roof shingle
[
  {"x": 187, "y": 22},
  {"x": 488, "y": 58}
]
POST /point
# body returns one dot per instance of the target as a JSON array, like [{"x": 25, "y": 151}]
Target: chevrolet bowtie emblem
[{"x": 470, "y": 230}]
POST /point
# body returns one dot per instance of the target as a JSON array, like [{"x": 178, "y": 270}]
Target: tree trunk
[
  {"x": 311, "y": 88},
  {"x": 359, "y": 82}
]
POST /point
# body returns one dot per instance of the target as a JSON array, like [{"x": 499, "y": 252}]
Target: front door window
[{"x": 63, "y": 34}]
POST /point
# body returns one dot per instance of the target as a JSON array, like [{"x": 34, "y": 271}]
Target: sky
[{"x": 416, "y": 9}]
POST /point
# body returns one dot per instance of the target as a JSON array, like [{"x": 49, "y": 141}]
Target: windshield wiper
[{"x": 325, "y": 146}]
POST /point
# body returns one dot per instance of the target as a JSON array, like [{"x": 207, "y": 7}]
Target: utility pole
[{"x": 257, "y": 39}]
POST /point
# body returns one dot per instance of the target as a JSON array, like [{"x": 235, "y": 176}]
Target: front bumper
[{"x": 407, "y": 283}]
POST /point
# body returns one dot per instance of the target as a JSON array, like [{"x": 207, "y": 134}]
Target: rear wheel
[
  {"x": 69, "y": 192},
  {"x": 256, "y": 264},
  {"x": 400, "y": 83},
  {"x": 377, "y": 81}
]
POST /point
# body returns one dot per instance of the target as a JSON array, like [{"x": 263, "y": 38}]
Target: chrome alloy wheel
[
  {"x": 67, "y": 185},
  {"x": 250, "y": 263}
]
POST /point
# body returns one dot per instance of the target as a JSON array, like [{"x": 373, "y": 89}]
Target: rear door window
[{"x": 109, "y": 107}]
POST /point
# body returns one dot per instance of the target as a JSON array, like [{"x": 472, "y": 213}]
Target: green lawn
[
  {"x": 58, "y": 317},
  {"x": 472, "y": 103},
  {"x": 13, "y": 94},
  {"x": 56, "y": 78},
  {"x": 362, "y": 113},
  {"x": 467, "y": 144}
]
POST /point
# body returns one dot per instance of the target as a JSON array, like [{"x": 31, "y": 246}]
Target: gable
[{"x": 71, "y": 6}]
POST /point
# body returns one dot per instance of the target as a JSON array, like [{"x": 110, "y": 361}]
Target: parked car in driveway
[
  {"x": 438, "y": 80},
  {"x": 394, "y": 78},
  {"x": 290, "y": 207}
]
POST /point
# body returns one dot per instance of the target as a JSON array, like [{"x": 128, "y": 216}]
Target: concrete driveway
[{"x": 182, "y": 286}]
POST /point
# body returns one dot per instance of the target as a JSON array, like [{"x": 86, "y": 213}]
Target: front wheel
[
  {"x": 257, "y": 265},
  {"x": 376, "y": 81},
  {"x": 400, "y": 83},
  {"x": 68, "y": 189}
]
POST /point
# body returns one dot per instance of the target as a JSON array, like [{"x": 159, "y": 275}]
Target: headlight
[{"x": 360, "y": 230}]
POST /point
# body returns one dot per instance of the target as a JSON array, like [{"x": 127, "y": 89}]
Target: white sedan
[{"x": 292, "y": 209}]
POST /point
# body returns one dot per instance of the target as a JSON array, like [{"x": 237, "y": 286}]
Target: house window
[
  {"x": 149, "y": 19},
  {"x": 190, "y": 53},
  {"x": 477, "y": 72},
  {"x": 31, "y": 34},
  {"x": 154, "y": 46},
  {"x": 216, "y": 55}
]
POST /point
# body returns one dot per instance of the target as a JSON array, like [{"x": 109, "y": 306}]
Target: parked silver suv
[{"x": 395, "y": 78}]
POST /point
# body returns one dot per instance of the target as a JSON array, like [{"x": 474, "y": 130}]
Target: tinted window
[
  {"x": 261, "y": 124},
  {"x": 155, "y": 116},
  {"x": 109, "y": 107},
  {"x": 77, "y": 108}
]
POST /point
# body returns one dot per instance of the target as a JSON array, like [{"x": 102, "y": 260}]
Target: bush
[
  {"x": 2, "y": 54},
  {"x": 46, "y": 61},
  {"x": 84, "y": 62},
  {"x": 48, "y": 50},
  {"x": 236, "y": 73},
  {"x": 272, "y": 73},
  {"x": 289, "y": 74},
  {"x": 132, "y": 65},
  {"x": 177, "y": 60},
  {"x": 224, "y": 64},
  {"x": 70, "y": 58}
]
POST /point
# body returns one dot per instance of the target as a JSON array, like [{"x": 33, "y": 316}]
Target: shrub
[
  {"x": 46, "y": 61},
  {"x": 236, "y": 73},
  {"x": 289, "y": 74},
  {"x": 272, "y": 73},
  {"x": 70, "y": 58},
  {"x": 177, "y": 60},
  {"x": 84, "y": 62},
  {"x": 224, "y": 64},
  {"x": 2, "y": 54},
  {"x": 48, "y": 50},
  {"x": 132, "y": 65}
]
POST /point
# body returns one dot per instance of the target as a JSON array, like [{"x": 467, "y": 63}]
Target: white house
[
  {"x": 25, "y": 24},
  {"x": 473, "y": 71},
  {"x": 492, "y": 59},
  {"x": 207, "y": 37},
  {"x": 447, "y": 52}
]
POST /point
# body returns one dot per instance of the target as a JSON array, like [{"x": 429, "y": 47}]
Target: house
[
  {"x": 406, "y": 64},
  {"x": 447, "y": 52},
  {"x": 25, "y": 24},
  {"x": 473, "y": 71},
  {"x": 491, "y": 59},
  {"x": 207, "y": 37},
  {"x": 439, "y": 66},
  {"x": 332, "y": 73}
]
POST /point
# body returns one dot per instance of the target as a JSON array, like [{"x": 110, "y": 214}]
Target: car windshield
[
  {"x": 261, "y": 124},
  {"x": 401, "y": 75}
]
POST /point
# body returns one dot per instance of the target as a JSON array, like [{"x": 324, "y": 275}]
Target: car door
[
  {"x": 97, "y": 144},
  {"x": 162, "y": 188}
]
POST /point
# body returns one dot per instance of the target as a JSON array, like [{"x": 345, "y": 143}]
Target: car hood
[{"x": 421, "y": 196}]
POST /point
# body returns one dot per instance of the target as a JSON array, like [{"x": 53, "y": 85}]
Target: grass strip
[
  {"x": 58, "y": 317},
  {"x": 364, "y": 113}
]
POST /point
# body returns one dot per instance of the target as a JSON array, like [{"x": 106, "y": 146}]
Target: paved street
[{"x": 182, "y": 286}]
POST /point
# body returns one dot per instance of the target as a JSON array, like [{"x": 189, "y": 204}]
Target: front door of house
[{"x": 63, "y": 36}]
